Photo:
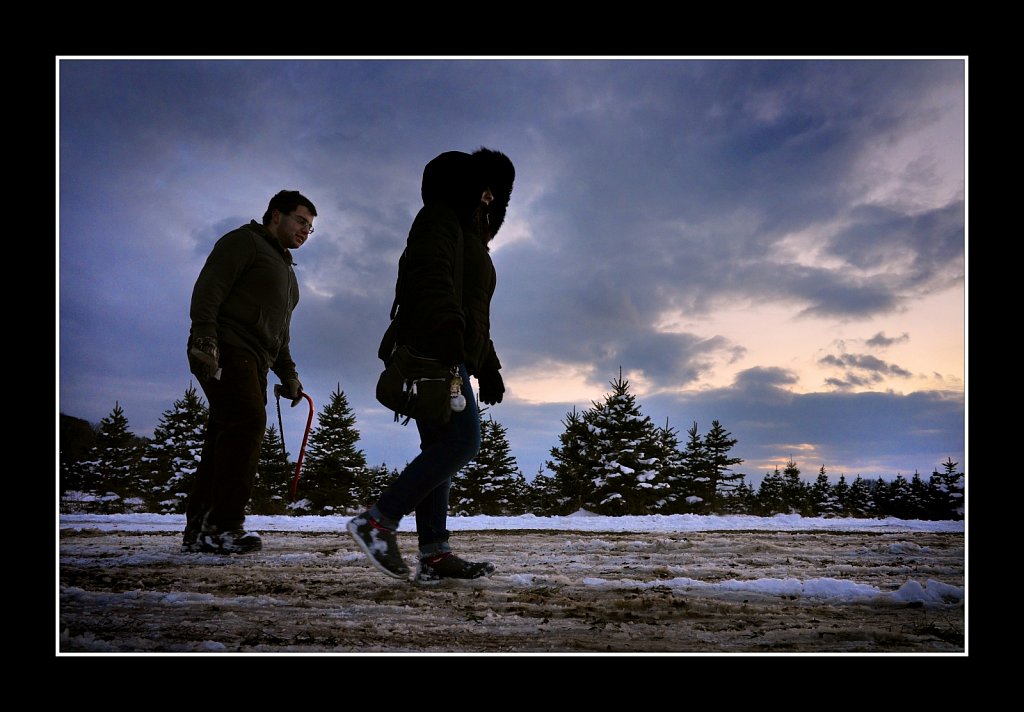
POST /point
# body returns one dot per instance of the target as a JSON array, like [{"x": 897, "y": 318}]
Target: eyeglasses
[{"x": 303, "y": 223}]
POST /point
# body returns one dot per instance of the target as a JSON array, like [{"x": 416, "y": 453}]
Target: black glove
[
  {"x": 292, "y": 390},
  {"x": 204, "y": 358},
  {"x": 492, "y": 387}
]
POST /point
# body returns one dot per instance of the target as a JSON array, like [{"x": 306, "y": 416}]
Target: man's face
[{"x": 293, "y": 229}]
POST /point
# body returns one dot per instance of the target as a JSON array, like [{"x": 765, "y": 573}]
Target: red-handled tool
[{"x": 305, "y": 437}]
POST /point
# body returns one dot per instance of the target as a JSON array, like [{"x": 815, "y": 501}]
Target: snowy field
[{"x": 564, "y": 585}]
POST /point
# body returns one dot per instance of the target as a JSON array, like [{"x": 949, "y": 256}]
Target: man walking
[{"x": 241, "y": 311}]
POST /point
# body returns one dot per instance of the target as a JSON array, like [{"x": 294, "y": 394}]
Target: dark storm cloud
[{"x": 930, "y": 243}]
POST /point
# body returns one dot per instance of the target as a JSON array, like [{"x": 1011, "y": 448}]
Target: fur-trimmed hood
[{"x": 457, "y": 179}]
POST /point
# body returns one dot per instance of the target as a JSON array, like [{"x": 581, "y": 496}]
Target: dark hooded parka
[{"x": 432, "y": 318}]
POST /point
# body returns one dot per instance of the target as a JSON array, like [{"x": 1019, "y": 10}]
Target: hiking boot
[
  {"x": 448, "y": 566},
  {"x": 379, "y": 544},
  {"x": 234, "y": 541}
]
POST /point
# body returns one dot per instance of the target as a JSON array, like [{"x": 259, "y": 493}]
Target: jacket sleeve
[
  {"x": 491, "y": 363},
  {"x": 230, "y": 257},
  {"x": 284, "y": 366},
  {"x": 430, "y": 308}
]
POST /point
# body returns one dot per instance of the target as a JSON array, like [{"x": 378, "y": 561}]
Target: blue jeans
[{"x": 424, "y": 484}]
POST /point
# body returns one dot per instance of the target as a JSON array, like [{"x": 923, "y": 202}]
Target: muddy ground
[{"x": 553, "y": 592}]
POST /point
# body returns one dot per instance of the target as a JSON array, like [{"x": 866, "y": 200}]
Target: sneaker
[
  {"x": 380, "y": 544},
  {"x": 228, "y": 542},
  {"x": 448, "y": 566}
]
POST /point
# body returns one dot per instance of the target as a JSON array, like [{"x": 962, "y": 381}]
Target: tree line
[{"x": 611, "y": 459}]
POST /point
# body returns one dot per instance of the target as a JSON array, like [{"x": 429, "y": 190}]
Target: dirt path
[{"x": 554, "y": 591}]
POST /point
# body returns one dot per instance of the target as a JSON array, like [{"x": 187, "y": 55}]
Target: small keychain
[{"x": 458, "y": 400}]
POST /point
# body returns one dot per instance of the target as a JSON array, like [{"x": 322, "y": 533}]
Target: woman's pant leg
[{"x": 424, "y": 484}]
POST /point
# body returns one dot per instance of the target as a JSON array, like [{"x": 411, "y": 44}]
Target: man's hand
[
  {"x": 204, "y": 358},
  {"x": 492, "y": 387},
  {"x": 292, "y": 390}
]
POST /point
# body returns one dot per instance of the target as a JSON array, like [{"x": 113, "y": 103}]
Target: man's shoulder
[
  {"x": 251, "y": 229},
  {"x": 249, "y": 236},
  {"x": 242, "y": 232}
]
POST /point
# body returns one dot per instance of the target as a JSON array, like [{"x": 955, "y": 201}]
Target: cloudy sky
[{"x": 778, "y": 244}]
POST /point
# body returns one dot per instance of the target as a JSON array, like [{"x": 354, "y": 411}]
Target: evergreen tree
[
  {"x": 673, "y": 473},
  {"x": 821, "y": 498},
  {"x": 771, "y": 494},
  {"x": 173, "y": 457},
  {"x": 794, "y": 491},
  {"x": 920, "y": 498},
  {"x": 571, "y": 465},
  {"x": 742, "y": 500},
  {"x": 521, "y": 498},
  {"x": 860, "y": 500},
  {"x": 694, "y": 480},
  {"x": 490, "y": 483},
  {"x": 722, "y": 481},
  {"x": 336, "y": 476},
  {"x": 626, "y": 473},
  {"x": 112, "y": 465},
  {"x": 378, "y": 479},
  {"x": 542, "y": 495},
  {"x": 947, "y": 500},
  {"x": 76, "y": 438},
  {"x": 841, "y": 493},
  {"x": 274, "y": 474},
  {"x": 880, "y": 495},
  {"x": 899, "y": 498}
]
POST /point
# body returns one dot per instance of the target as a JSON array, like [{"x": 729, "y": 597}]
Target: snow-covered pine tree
[
  {"x": 627, "y": 472},
  {"x": 491, "y": 482},
  {"x": 742, "y": 500},
  {"x": 900, "y": 498},
  {"x": 841, "y": 492},
  {"x": 75, "y": 439},
  {"x": 920, "y": 498},
  {"x": 274, "y": 474},
  {"x": 378, "y": 478},
  {"x": 947, "y": 500},
  {"x": 542, "y": 497},
  {"x": 821, "y": 498},
  {"x": 794, "y": 491},
  {"x": 860, "y": 501},
  {"x": 771, "y": 497},
  {"x": 673, "y": 473},
  {"x": 335, "y": 477},
  {"x": 694, "y": 481},
  {"x": 111, "y": 468},
  {"x": 880, "y": 496},
  {"x": 571, "y": 465},
  {"x": 171, "y": 459},
  {"x": 723, "y": 481}
]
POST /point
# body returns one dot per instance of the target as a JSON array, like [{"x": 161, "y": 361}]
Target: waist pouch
[{"x": 417, "y": 387}]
